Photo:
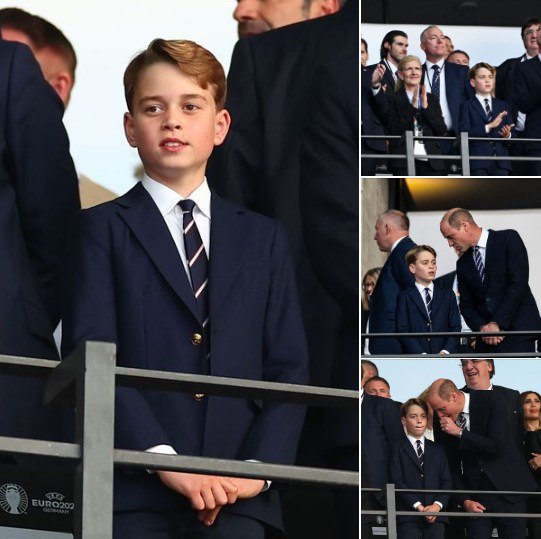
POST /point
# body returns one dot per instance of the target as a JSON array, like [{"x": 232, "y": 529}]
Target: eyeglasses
[{"x": 464, "y": 362}]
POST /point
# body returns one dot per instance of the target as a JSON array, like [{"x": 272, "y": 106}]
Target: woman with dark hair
[
  {"x": 412, "y": 108},
  {"x": 531, "y": 405},
  {"x": 369, "y": 283}
]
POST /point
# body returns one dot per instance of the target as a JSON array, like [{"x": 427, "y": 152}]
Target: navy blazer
[
  {"x": 412, "y": 317},
  {"x": 373, "y": 112},
  {"x": 504, "y": 296},
  {"x": 528, "y": 96},
  {"x": 505, "y": 86},
  {"x": 38, "y": 197},
  {"x": 381, "y": 429},
  {"x": 473, "y": 119},
  {"x": 127, "y": 285},
  {"x": 394, "y": 277},
  {"x": 486, "y": 447},
  {"x": 406, "y": 473},
  {"x": 457, "y": 90}
]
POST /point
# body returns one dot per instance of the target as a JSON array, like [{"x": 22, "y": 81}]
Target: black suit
[
  {"x": 528, "y": 97},
  {"x": 400, "y": 119},
  {"x": 490, "y": 460},
  {"x": 446, "y": 281},
  {"x": 504, "y": 296},
  {"x": 38, "y": 197},
  {"x": 394, "y": 277}
]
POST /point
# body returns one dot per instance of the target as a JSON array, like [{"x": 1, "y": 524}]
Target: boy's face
[
  {"x": 483, "y": 81},
  {"x": 415, "y": 421},
  {"x": 424, "y": 268},
  {"x": 174, "y": 125}
]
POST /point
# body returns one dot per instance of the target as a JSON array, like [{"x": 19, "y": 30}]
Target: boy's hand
[
  {"x": 247, "y": 488},
  {"x": 203, "y": 491},
  {"x": 433, "y": 508},
  {"x": 506, "y": 131},
  {"x": 498, "y": 120}
]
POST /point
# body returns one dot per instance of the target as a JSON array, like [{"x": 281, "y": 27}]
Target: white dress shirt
[
  {"x": 482, "y": 244},
  {"x": 446, "y": 111}
]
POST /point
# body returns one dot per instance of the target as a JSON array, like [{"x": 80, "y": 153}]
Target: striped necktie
[
  {"x": 420, "y": 454},
  {"x": 488, "y": 111},
  {"x": 462, "y": 421},
  {"x": 478, "y": 259},
  {"x": 435, "y": 86},
  {"x": 428, "y": 302},
  {"x": 197, "y": 260}
]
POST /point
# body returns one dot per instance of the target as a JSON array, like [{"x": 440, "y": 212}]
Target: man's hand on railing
[
  {"x": 491, "y": 326},
  {"x": 471, "y": 506},
  {"x": 247, "y": 488}
]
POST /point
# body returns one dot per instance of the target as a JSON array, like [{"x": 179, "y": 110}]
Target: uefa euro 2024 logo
[{"x": 13, "y": 499}]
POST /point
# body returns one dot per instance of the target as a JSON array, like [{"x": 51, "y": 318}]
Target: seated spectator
[
  {"x": 423, "y": 308},
  {"x": 459, "y": 57},
  {"x": 412, "y": 108},
  {"x": 417, "y": 462},
  {"x": 531, "y": 403},
  {"x": 369, "y": 283},
  {"x": 486, "y": 116}
]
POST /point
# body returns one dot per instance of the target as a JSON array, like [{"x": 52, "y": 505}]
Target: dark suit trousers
[
  {"x": 183, "y": 524},
  {"x": 508, "y": 528},
  {"x": 421, "y": 530}
]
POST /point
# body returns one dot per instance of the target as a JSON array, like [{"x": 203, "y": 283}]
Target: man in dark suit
[
  {"x": 38, "y": 198},
  {"x": 380, "y": 430},
  {"x": 392, "y": 228},
  {"x": 258, "y": 166},
  {"x": 478, "y": 374},
  {"x": 448, "y": 81},
  {"x": 493, "y": 281},
  {"x": 474, "y": 429},
  {"x": 505, "y": 89}
]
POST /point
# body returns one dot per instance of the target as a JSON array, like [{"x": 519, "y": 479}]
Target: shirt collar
[
  {"x": 466, "y": 409},
  {"x": 422, "y": 287},
  {"x": 439, "y": 64},
  {"x": 397, "y": 242},
  {"x": 483, "y": 97},
  {"x": 482, "y": 243},
  {"x": 413, "y": 440},
  {"x": 166, "y": 199}
]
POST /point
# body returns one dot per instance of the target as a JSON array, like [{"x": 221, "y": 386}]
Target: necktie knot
[
  {"x": 436, "y": 69},
  {"x": 461, "y": 421},
  {"x": 187, "y": 205}
]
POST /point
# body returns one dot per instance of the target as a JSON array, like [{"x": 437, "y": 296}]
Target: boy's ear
[
  {"x": 129, "y": 130},
  {"x": 403, "y": 420},
  {"x": 472, "y": 82},
  {"x": 221, "y": 126},
  {"x": 412, "y": 268}
]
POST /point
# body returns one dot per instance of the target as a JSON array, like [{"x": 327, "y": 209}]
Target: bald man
[
  {"x": 392, "y": 236},
  {"x": 483, "y": 455},
  {"x": 492, "y": 276}
]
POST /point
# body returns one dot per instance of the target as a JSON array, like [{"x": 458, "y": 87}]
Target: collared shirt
[
  {"x": 481, "y": 99},
  {"x": 413, "y": 442},
  {"x": 443, "y": 93},
  {"x": 397, "y": 242},
  {"x": 421, "y": 288},
  {"x": 167, "y": 202},
  {"x": 482, "y": 244},
  {"x": 466, "y": 409}
]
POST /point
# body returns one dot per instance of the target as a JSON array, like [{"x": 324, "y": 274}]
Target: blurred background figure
[
  {"x": 531, "y": 404},
  {"x": 368, "y": 370},
  {"x": 449, "y": 46},
  {"x": 364, "y": 52},
  {"x": 369, "y": 283},
  {"x": 459, "y": 57}
]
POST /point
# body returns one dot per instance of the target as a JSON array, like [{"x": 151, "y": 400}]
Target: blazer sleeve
[
  {"x": 397, "y": 477},
  {"x": 527, "y": 95},
  {"x": 41, "y": 170},
  {"x": 453, "y": 323},
  {"x": 275, "y": 432},
  {"x": 516, "y": 260},
  {"x": 89, "y": 313},
  {"x": 474, "y": 129}
]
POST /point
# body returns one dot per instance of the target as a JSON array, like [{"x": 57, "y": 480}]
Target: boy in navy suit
[
  {"x": 486, "y": 116},
  {"x": 424, "y": 308},
  {"x": 184, "y": 281},
  {"x": 417, "y": 462}
]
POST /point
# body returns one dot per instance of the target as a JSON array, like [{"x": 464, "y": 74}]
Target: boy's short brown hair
[
  {"x": 193, "y": 60},
  {"x": 473, "y": 70},
  {"x": 413, "y": 402},
  {"x": 412, "y": 254}
]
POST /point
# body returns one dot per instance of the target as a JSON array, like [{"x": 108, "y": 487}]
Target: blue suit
[
  {"x": 406, "y": 473},
  {"x": 127, "y": 285},
  {"x": 504, "y": 296},
  {"x": 412, "y": 317},
  {"x": 473, "y": 119},
  {"x": 394, "y": 277}
]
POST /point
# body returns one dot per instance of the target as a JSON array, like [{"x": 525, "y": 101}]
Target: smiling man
[
  {"x": 493, "y": 274},
  {"x": 258, "y": 16}
]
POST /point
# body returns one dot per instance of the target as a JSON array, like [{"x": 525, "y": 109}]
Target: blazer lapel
[
  {"x": 147, "y": 224},
  {"x": 489, "y": 256},
  {"x": 418, "y": 300},
  {"x": 226, "y": 249},
  {"x": 437, "y": 297},
  {"x": 480, "y": 110},
  {"x": 406, "y": 444}
]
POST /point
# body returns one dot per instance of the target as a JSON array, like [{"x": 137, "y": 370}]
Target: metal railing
[
  {"x": 462, "y": 140},
  {"x": 89, "y": 375},
  {"x": 391, "y": 513}
]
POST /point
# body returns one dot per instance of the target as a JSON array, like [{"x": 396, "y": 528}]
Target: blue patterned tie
[
  {"x": 487, "y": 109},
  {"x": 478, "y": 259},
  {"x": 435, "y": 86},
  {"x": 197, "y": 260},
  {"x": 420, "y": 454},
  {"x": 462, "y": 421},
  {"x": 428, "y": 301}
]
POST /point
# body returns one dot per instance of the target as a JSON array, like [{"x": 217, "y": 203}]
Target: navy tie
[
  {"x": 197, "y": 260},
  {"x": 435, "y": 86},
  {"x": 487, "y": 109},
  {"x": 478, "y": 259},
  {"x": 462, "y": 421},
  {"x": 420, "y": 454},
  {"x": 428, "y": 301}
]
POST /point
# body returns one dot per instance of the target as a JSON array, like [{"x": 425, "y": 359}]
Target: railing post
[
  {"x": 410, "y": 153},
  {"x": 465, "y": 153},
  {"x": 391, "y": 511},
  {"x": 95, "y": 433}
]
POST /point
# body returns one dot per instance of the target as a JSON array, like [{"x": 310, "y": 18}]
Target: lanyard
[{"x": 440, "y": 72}]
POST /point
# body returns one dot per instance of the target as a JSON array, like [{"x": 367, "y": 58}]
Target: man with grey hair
[
  {"x": 447, "y": 81},
  {"x": 258, "y": 16},
  {"x": 392, "y": 236},
  {"x": 492, "y": 276}
]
